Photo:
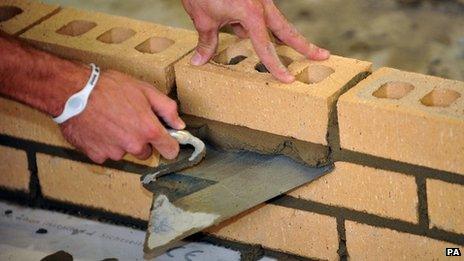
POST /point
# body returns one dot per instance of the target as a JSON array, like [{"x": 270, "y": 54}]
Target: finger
[
  {"x": 265, "y": 49},
  {"x": 207, "y": 44},
  {"x": 164, "y": 107},
  {"x": 116, "y": 153},
  {"x": 288, "y": 34},
  {"x": 239, "y": 31},
  {"x": 160, "y": 139},
  {"x": 96, "y": 156},
  {"x": 145, "y": 152}
]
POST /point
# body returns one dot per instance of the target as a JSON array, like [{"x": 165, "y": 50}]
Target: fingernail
[
  {"x": 320, "y": 54},
  {"x": 324, "y": 53},
  {"x": 196, "y": 59},
  {"x": 289, "y": 78},
  {"x": 181, "y": 124}
]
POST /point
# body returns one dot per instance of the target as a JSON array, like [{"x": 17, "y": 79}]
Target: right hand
[{"x": 121, "y": 117}]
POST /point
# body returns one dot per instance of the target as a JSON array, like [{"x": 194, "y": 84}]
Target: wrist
[{"x": 68, "y": 82}]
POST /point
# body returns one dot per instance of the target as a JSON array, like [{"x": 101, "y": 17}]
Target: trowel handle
[{"x": 186, "y": 138}]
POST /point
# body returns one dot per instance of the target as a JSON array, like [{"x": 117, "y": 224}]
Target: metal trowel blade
[{"x": 222, "y": 186}]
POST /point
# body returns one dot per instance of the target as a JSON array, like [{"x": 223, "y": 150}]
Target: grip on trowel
[{"x": 185, "y": 138}]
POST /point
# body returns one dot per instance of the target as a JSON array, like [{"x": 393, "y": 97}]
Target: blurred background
[{"x": 425, "y": 36}]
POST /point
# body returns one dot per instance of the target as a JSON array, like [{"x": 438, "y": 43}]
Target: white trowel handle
[{"x": 186, "y": 138}]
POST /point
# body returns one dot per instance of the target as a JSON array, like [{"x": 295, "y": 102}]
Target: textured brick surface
[
  {"x": 407, "y": 117},
  {"x": 380, "y": 192},
  {"x": 93, "y": 186},
  {"x": 284, "y": 229},
  {"x": 18, "y": 15},
  {"x": 24, "y": 122},
  {"x": 14, "y": 173},
  {"x": 446, "y": 205},
  {"x": 115, "y": 42},
  {"x": 371, "y": 243},
  {"x": 240, "y": 95}
]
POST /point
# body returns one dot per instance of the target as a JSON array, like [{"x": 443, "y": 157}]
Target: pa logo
[{"x": 453, "y": 251}]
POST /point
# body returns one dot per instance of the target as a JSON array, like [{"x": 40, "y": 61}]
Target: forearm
[{"x": 37, "y": 78}]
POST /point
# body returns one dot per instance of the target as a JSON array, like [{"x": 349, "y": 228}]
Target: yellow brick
[
  {"x": 446, "y": 205},
  {"x": 371, "y": 243},
  {"x": 380, "y": 192},
  {"x": 406, "y": 117},
  {"x": 240, "y": 95},
  {"x": 115, "y": 42},
  {"x": 14, "y": 173},
  {"x": 283, "y": 229},
  {"x": 93, "y": 186},
  {"x": 24, "y": 122},
  {"x": 18, "y": 15}
]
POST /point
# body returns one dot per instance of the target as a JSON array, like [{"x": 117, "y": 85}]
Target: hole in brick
[
  {"x": 314, "y": 73},
  {"x": 7, "y": 12},
  {"x": 440, "y": 98},
  {"x": 237, "y": 59},
  {"x": 154, "y": 45},
  {"x": 286, "y": 61},
  {"x": 393, "y": 90},
  {"x": 233, "y": 55},
  {"x": 76, "y": 28},
  {"x": 116, "y": 35}
]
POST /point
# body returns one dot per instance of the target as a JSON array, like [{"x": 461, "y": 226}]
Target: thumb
[{"x": 207, "y": 45}]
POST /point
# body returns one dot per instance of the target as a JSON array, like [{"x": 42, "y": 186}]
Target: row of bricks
[
  {"x": 378, "y": 192},
  {"x": 392, "y": 114}
]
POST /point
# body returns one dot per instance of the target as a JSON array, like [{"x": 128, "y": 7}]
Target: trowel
[{"x": 190, "y": 195}]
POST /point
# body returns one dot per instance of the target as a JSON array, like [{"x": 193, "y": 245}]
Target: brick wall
[{"x": 396, "y": 138}]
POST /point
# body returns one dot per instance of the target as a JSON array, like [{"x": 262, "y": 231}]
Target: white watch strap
[{"x": 78, "y": 101}]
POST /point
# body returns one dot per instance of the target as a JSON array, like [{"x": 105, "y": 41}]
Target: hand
[
  {"x": 120, "y": 117},
  {"x": 248, "y": 18}
]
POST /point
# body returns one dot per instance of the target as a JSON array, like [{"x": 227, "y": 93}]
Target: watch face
[{"x": 76, "y": 103}]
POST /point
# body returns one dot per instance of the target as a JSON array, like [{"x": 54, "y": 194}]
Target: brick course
[
  {"x": 240, "y": 95},
  {"x": 144, "y": 50}
]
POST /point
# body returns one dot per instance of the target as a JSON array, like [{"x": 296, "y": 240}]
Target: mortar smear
[{"x": 170, "y": 222}]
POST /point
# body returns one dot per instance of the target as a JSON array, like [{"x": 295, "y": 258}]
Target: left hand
[{"x": 248, "y": 18}]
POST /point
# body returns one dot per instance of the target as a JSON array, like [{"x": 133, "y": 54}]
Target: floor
[
  {"x": 426, "y": 38},
  {"x": 32, "y": 234}
]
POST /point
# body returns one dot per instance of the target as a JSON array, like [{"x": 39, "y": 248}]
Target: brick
[
  {"x": 19, "y": 15},
  {"x": 93, "y": 186},
  {"x": 283, "y": 229},
  {"x": 365, "y": 242},
  {"x": 14, "y": 172},
  {"x": 240, "y": 95},
  {"x": 27, "y": 123},
  {"x": 144, "y": 50},
  {"x": 445, "y": 205},
  {"x": 375, "y": 191},
  {"x": 406, "y": 117}
]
